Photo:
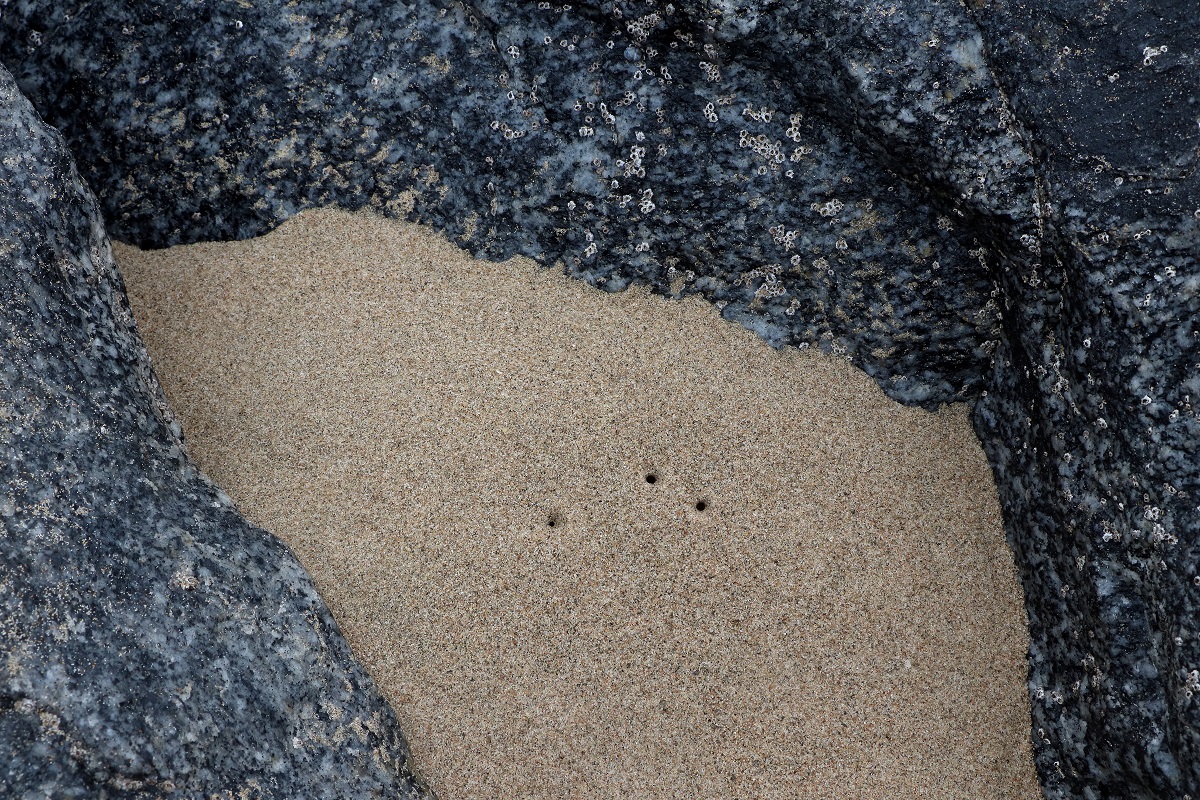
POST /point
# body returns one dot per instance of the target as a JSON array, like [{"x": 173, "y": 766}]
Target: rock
[
  {"x": 1089, "y": 422},
  {"x": 153, "y": 643},
  {"x": 981, "y": 203},
  {"x": 759, "y": 183}
]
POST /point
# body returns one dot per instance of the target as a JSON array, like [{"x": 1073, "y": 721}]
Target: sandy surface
[{"x": 841, "y": 620}]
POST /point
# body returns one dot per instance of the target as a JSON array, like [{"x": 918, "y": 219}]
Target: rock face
[
  {"x": 634, "y": 141},
  {"x": 981, "y": 203},
  {"x": 154, "y": 643},
  {"x": 1089, "y": 423}
]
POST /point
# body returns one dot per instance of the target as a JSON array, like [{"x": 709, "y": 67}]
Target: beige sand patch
[{"x": 598, "y": 545}]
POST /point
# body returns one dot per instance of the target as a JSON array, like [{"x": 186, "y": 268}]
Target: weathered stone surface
[
  {"x": 757, "y": 164},
  {"x": 1089, "y": 423},
  {"x": 152, "y": 642},
  {"x": 987, "y": 203}
]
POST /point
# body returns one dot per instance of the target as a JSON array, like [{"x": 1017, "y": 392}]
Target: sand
[{"x": 813, "y": 599}]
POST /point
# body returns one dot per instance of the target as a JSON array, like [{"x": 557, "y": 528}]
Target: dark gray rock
[
  {"x": 1089, "y": 424},
  {"x": 152, "y": 642},
  {"x": 985, "y": 203},
  {"x": 758, "y": 165}
]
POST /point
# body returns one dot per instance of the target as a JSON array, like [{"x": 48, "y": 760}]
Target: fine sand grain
[{"x": 460, "y": 452}]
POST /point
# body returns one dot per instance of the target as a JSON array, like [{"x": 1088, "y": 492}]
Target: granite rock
[
  {"x": 632, "y": 141},
  {"x": 1089, "y": 424},
  {"x": 983, "y": 202},
  {"x": 152, "y": 642}
]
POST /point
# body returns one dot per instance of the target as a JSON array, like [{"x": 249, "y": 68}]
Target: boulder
[{"x": 153, "y": 643}]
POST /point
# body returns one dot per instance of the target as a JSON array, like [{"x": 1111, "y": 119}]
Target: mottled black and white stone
[
  {"x": 987, "y": 202},
  {"x": 152, "y": 642},
  {"x": 634, "y": 141},
  {"x": 1090, "y": 423}
]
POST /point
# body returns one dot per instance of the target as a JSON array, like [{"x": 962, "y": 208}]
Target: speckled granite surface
[
  {"x": 973, "y": 202},
  {"x": 639, "y": 147},
  {"x": 1090, "y": 422},
  {"x": 153, "y": 643}
]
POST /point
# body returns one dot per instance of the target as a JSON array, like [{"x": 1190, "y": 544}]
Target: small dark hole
[
  {"x": 651, "y": 478},
  {"x": 701, "y": 505},
  {"x": 552, "y": 520}
]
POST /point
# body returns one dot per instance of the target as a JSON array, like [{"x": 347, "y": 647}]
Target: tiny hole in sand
[
  {"x": 701, "y": 505},
  {"x": 651, "y": 478},
  {"x": 552, "y": 520}
]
